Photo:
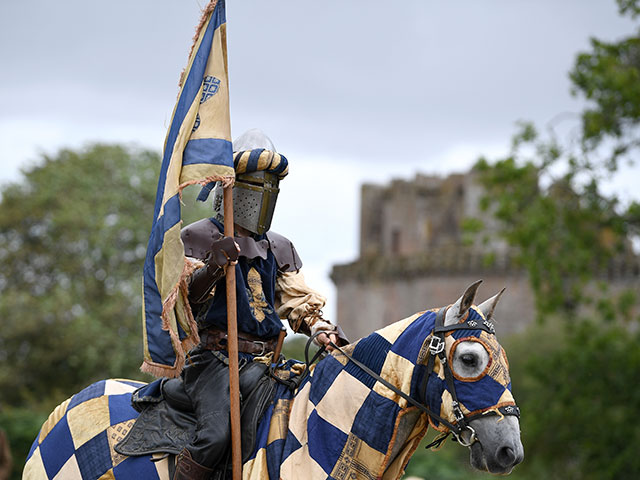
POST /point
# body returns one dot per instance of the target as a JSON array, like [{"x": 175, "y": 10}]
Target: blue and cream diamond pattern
[{"x": 70, "y": 447}]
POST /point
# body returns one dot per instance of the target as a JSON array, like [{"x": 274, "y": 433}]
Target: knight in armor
[{"x": 269, "y": 287}]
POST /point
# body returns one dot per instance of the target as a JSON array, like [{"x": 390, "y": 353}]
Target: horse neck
[{"x": 341, "y": 404}]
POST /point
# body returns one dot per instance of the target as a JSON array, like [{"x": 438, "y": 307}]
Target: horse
[{"x": 359, "y": 413}]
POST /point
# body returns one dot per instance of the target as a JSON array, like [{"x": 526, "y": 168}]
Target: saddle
[{"x": 167, "y": 422}]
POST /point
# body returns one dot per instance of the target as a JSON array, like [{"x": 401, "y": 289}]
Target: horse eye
[{"x": 468, "y": 359}]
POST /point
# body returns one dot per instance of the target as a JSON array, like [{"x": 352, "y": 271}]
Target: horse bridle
[{"x": 436, "y": 349}]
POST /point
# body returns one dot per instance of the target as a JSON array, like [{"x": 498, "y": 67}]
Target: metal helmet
[
  {"x": 255, "y": 190},
  {"x": 252, "y": 139}
]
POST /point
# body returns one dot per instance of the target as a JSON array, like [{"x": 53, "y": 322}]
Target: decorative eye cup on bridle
[
  {"x": 471, "y": 371},
  {"x": 469, "y": 359}
]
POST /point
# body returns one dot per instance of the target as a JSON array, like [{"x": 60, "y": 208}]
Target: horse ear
[
  {"x": 488, "y": 307},
  {"x": 460, "y": 308}
]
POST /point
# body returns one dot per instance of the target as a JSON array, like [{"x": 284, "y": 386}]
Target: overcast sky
[{"x": 348, "y": 90}]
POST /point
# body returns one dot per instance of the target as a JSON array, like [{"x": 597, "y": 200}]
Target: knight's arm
[
  {"x": 302, "y": 306},
  {"x": 203, "y": 242},
  {"x": 295, "y": 301},
  {"x": 203, "y": 280}
]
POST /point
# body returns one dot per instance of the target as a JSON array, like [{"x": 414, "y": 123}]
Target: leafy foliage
[
  {"x": 451, "y": 462},
  {"x": 579, "y": 402},
  {"x": 21, "y": 426},
  {"x": 575, "y": 372},
  {"x": 566, "y": 231},
  {"x": 609, "y": 77},
  {"x": 630, "y": 7},
  {"x": 548, "y": 193},
  {"x": 294, "y": 347},
  {"x": 73, "y": 238}
]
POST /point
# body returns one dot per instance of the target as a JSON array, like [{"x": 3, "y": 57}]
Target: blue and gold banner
[{"x": 197, "y": 150}]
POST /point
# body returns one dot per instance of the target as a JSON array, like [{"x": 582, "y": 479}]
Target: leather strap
[
  {"x": 422, "y": 407},
  {"x": 436, "y": 348},
  {"x": 214, "y": 339},
  {"x": 188, "y": 469}
]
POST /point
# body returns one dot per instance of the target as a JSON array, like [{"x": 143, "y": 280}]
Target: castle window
[{"x": 395, "y": 241}]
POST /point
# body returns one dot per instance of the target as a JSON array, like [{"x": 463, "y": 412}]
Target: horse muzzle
[{"x": 499, "y": 448}]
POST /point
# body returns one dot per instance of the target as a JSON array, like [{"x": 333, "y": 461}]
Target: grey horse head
[{"x": 498, "y": 447}]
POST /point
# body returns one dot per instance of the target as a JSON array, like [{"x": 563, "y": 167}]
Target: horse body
[
  {"x": 341, "y": 422},
  {"x": 334, "y": 425},
  {"x": 344, "y": 424}
]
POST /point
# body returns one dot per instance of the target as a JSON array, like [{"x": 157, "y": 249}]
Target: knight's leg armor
[{"x": 206, "y": 380}]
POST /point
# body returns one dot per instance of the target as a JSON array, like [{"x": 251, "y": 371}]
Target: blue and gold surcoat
[{"x": 255, "y": 296}]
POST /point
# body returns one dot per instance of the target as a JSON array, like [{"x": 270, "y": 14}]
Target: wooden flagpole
[{"x": 232, "y": 344}]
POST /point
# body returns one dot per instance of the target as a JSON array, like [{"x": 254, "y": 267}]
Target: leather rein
[{"x": 436, "y": 349}]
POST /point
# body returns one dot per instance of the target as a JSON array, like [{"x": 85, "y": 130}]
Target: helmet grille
[{"x": 247, "y": 205}]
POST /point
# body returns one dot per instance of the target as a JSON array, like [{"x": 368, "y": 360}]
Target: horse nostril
[{"x": 506, "y": 457}]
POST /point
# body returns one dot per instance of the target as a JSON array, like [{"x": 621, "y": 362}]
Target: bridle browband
[{"x": 436, "y": 349}]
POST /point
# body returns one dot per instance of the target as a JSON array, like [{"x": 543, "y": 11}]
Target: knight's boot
[{"x": 188, "y": 469}]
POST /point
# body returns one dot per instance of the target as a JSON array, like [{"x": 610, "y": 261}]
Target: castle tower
[
  {"x": 422, "y": 241},
  {"x": 418, "y": 251}
]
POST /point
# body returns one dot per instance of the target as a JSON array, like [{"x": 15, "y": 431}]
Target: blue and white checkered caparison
[
  {"x": 77, "y": 440},
  {"x": 341, "y": 423},
  {"x": 345, "y": 424}
]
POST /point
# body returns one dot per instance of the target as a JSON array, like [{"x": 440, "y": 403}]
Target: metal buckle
[
  {"x": 264, "y": 347},
  {"x": 436, "y": 345},
  {"x": 472, "y": 436},
  {"x": 512, "y": 410},
  {"x": 457, "y": 411}
]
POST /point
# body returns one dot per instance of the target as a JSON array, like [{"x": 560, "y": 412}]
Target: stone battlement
[
  {"x": 419, "y": 249},
  {"x": 440, "y": 260}
]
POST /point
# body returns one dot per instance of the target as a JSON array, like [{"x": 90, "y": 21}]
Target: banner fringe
[
  {"x": 226, "y": 180},
  {"x": 206, "y": 11},
  {"x": 179, "y": 346}
]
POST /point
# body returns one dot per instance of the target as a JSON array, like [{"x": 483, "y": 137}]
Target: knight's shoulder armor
[
  {"x": 197, "y": 238},
  {"x": 284, "y": 252}
]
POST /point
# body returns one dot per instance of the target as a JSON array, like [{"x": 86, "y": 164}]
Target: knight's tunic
[
  {"x": 267, "y": 289},
  {"x": 268, "y": 286},
  {"x": 255, "y": 294}
]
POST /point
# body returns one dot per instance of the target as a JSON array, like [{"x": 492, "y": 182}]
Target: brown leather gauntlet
[{"x": 222, "y": 253}]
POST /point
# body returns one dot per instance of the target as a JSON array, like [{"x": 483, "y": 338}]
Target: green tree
[
  {"x": 609, "y": 77},
  {"x": 576, "y": 389},
  {"x": 565, "y": 229},
  {"x": 548, "y": 193},
  {"x": 576, "y": 369},
  {"x": 73, "y": 237}
]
